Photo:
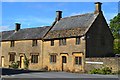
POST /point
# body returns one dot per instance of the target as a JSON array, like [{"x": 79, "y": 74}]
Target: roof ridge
[
  {"x": 7, "y": 31},
  {"x": 35, "y": 27},
  {"x": 77, "y": 15},
  {"x": 26, "y": 28}
]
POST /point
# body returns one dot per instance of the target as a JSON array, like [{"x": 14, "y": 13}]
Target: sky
[{"x": 38, "y": 14}]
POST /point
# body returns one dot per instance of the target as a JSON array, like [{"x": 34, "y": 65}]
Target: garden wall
[{"x": 112, "y": 62}]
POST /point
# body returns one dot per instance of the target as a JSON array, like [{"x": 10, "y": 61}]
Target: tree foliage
[
  {"x": 115, "y": 28},
  {"x": 117, "y": 46}
]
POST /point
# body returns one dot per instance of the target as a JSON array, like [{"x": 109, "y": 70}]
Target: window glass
[
  {"x": 62, "y": 42},
  {"x": 53, "y": 58},
  {"x": 12, "y": 57},
  {"x": 34, "y": 58},
  {"x": 12, "y": 43},
  {"x": 52, "y": 42},
  {"x": 34, "y": 43},
  {"x": 78, "y": 60},
  {"x": 77, "y": 40}
]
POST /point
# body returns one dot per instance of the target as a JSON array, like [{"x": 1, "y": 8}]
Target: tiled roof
[
  {"x": 23, "y": 34},
  {"x": 65, "y": 27},
  {"x": 72, "y": 26},
  {"x": 6, "y": 34},
  {"x": 65, "y": 33}
]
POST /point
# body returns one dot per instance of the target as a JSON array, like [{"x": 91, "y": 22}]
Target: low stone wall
[{"x": 112, "y": 62}]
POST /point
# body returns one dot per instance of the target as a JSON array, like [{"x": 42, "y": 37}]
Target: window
[
  {"x": 12, "y": 44},
  {"x": 34, "y": 43},
  {"x": 77, "y": 40},
  {"x": 12, "y": 57},
  {"x": 62, "y": 42},
  {"x": 52, "y": 42},
  {"x": 53, "y": 58},
  {"x": 78, "y": 60},
  {"x": 34, "y": 58}
]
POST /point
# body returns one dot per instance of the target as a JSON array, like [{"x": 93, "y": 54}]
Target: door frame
[
  {"x": 61, "y": 56},
  {"x": 63, "y": 62},
  {"x": 20, "y": 58}
]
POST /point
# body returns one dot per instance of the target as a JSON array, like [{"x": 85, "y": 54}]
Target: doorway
[
  {"x": 21, "y": 62},
  {"x": 64, "y": 62},
  {"x": 2, "y": 61}
]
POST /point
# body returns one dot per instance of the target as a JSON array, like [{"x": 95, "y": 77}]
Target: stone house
[{"x": 62, "y": 46}]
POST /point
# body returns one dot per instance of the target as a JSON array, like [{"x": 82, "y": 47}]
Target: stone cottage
[{"x": 62, "y": 46}]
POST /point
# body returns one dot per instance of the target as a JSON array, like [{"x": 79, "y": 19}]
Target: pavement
[{"x": 30, "y": 75}]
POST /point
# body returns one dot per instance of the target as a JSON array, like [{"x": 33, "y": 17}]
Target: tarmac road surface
[{"x": 55, "y": 75}]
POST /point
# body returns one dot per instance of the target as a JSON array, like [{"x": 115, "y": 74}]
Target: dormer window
[
  {"x": 62, "y": 42},
  {"x": 12, "y": 44},
  {"x": 77, "y": 40},
  {"x": 34, "y": 43},
  {"x": 52, "y": 42}
]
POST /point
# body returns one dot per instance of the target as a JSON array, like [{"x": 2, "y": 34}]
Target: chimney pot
[
  {"x": 98, "y": 7},
  {"x": 17, "y": 26},
  {"x": 58, "y": 15}
]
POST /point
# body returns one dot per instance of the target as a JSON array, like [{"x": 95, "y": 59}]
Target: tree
[{"x": 115, "y": 27}]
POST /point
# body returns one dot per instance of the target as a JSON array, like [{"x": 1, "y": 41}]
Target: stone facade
[
  {"x": 70, "y": 50},
  {"x": 22, "y": 47},
  {"x": 95, "y": 37}
]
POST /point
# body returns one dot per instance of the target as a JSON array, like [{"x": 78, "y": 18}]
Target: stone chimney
[
  {"x": 17, "y": 27},
  {"x": 58, "y": 15},
  {"x": 98, "y": 7}
]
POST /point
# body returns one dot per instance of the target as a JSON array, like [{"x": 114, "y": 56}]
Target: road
[{"x": 56, "y": 75}]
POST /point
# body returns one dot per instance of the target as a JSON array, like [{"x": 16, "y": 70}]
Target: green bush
[
  {"x": 26, "y": 63},
  {"x": 104, "y": 70},
  {"x": 14, "y": 65}
]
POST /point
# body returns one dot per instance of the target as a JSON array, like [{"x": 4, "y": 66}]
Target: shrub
[
  {"x": 95, "y": 71},
  {"x": 26, "y": 63},
  {"x": 14, "y": 65},
  {"x": 104, "y": 70}
]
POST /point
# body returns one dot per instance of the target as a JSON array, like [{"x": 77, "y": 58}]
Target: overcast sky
[{"x": 38, "y": 14}]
